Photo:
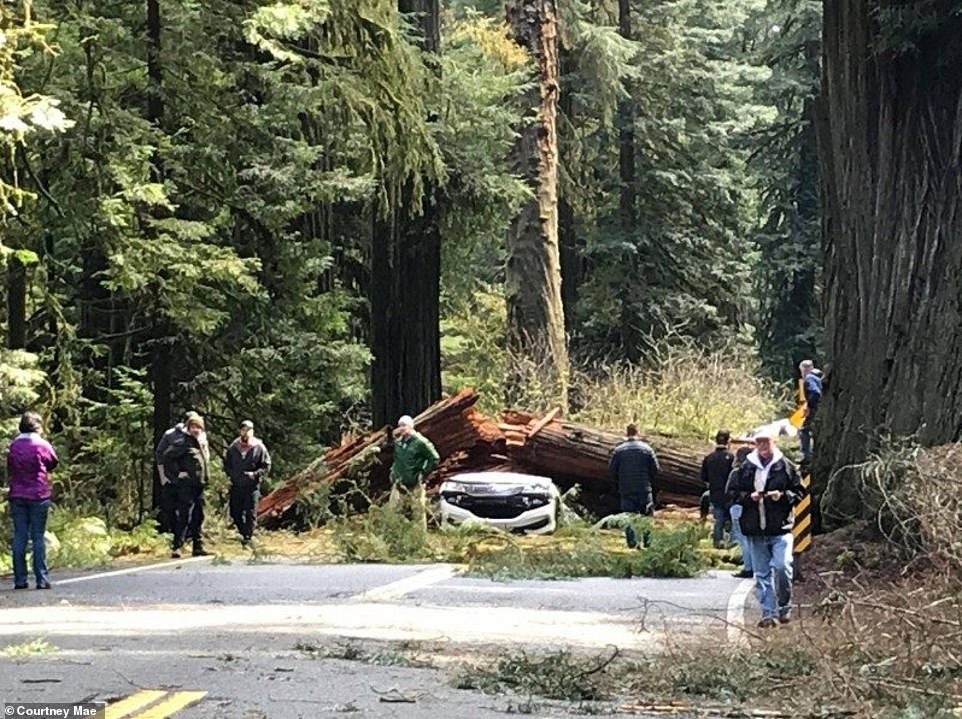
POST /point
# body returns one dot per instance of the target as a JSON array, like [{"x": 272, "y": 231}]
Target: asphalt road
[{"x": 288, "y": 641}]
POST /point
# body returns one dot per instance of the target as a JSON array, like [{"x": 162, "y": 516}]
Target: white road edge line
[
  {"x": 396, "y": 590},
  {"x": 735, "y": 615},
  {"x": 131, "y": 570}
]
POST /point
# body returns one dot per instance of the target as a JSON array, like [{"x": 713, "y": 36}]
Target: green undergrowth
[
  {"x": 589, "y": 551},
  {"x": 78, "y": 540},
  {"x": 33, "y": 648},
  {"x": 576, "y": 549}
]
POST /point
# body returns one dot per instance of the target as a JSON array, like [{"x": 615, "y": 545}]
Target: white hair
[
  {"x": 806, "y": 364},
  {"x": 405, "y": 421}
]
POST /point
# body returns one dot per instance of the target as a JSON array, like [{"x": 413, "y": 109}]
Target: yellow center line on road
[
  {"x": 134, "y": 702},
  {"x": 173, "y": 703}
]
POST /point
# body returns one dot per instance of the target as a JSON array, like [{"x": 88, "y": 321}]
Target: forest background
[{"x": 322, "y": 214}]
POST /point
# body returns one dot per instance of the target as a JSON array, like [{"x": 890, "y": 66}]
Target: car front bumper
[{"x": 539, "y": 520}]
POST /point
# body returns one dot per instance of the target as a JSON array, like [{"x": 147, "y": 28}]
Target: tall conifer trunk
[
  {"x": 570, "y": 246},
  {"x": 406, "y": 281},
  {"x": 533, "y": 272},
  {"x": 890, "y": 140}
]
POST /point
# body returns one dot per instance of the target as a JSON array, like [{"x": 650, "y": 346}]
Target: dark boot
[{"x": 199, "y": 550}]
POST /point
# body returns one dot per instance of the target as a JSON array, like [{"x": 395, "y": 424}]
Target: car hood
[{"x": 498, "y": 483}]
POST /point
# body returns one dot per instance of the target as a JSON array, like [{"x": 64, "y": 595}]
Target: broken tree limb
[{"x": 452, "y": 424}]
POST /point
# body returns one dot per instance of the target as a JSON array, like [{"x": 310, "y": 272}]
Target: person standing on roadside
[
  {"x": 634, "y": 466},
  {"x": 768, "y": 487},
  {"x": 735, "y": 512},
  {"x": 188, "y": 461},
  {"x": 414, "y": 458},
  {"x": 812, "y": 389},
  {"x": 168, "y": 494},
  {"x": 30, "y": 460},
  {"x": 246, "y": 463},
  {"x": 715, "y": 469}
]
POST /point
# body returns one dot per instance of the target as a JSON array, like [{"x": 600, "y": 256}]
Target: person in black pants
[
  {"x": 187, "y": 462},
  {"x": 634, "y": 467},
  {"x": 715, "y": 469},
  {"x": 246, "y": 463},
  {"x": 167, "y": 500}
]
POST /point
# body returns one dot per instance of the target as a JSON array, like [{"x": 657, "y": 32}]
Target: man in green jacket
[{"x": 414, "y": 458}]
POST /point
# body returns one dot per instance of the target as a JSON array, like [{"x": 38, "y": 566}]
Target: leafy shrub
[
  {"x": 383, "y": 534},
  {"x": 581, "y": 550}
]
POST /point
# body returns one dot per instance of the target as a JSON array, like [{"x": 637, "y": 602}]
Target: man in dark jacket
[
  {"x": 767, "y": 488},
  {"x": 187, "y": 462},
  {"x": 812, "y": 389},
  {"x": 715, "y": 469},
  {"x": 735, "y": 512},
  {"x": 168, "y": 494},
  {"x": 246, "y": 463},
  {"x": 634, "y": 467}
]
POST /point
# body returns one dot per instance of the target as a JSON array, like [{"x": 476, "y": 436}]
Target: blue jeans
[
  {"x": 772, "y": 563},
  {"x": 805, "y": 439},
  {"x": 720, "y": 513},
  {"x": 29, "y": 522},
  {"x": 736, "y": 515}
]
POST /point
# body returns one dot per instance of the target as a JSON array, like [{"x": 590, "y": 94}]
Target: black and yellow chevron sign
[
  {"x": 802, "y": 531},
  {"x": 152, "y": 704}
]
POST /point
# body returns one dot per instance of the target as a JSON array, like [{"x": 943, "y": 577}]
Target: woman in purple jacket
[{"x": 29, "y": 462}]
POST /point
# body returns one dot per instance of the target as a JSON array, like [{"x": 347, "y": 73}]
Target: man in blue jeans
[{"x": 767, "y": 488}]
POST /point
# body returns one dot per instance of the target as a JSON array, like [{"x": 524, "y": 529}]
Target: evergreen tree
[
  {"x": 890, "y": 119},
  {"x": 533, "y": 269},
  {"x": 785, "y": 159}
]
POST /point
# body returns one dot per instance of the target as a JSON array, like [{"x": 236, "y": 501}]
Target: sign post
[{"x": 802, "y": 530}]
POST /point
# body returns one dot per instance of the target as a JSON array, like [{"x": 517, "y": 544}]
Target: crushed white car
[{"x": 511, "y": 501}]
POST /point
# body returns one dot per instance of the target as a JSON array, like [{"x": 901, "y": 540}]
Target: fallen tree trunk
[
  {"x": 467, "y": 440},
  {"x": 572, "y": 453},
  {"x": 452, "y": 424}
]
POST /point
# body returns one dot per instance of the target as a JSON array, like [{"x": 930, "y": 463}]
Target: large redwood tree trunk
[
  {"x": 890, "y": 138},
  {"x": 406, "y": 281},
  {"x": 533, "y": 272}
]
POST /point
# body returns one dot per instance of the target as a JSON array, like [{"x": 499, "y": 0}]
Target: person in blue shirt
[{"x": 812, "y": 387}]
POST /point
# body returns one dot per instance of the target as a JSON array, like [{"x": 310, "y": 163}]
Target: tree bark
[
  {"x": 406, "y": 281},
  {"x": 890, "y": 139},
  {"x": 16, "y": 303},
  {"x": 570, "y": 247},
  {"x": 533, "y": 272}
]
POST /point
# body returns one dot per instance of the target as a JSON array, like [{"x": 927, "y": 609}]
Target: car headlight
[{"x": 456, "y": 487}]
